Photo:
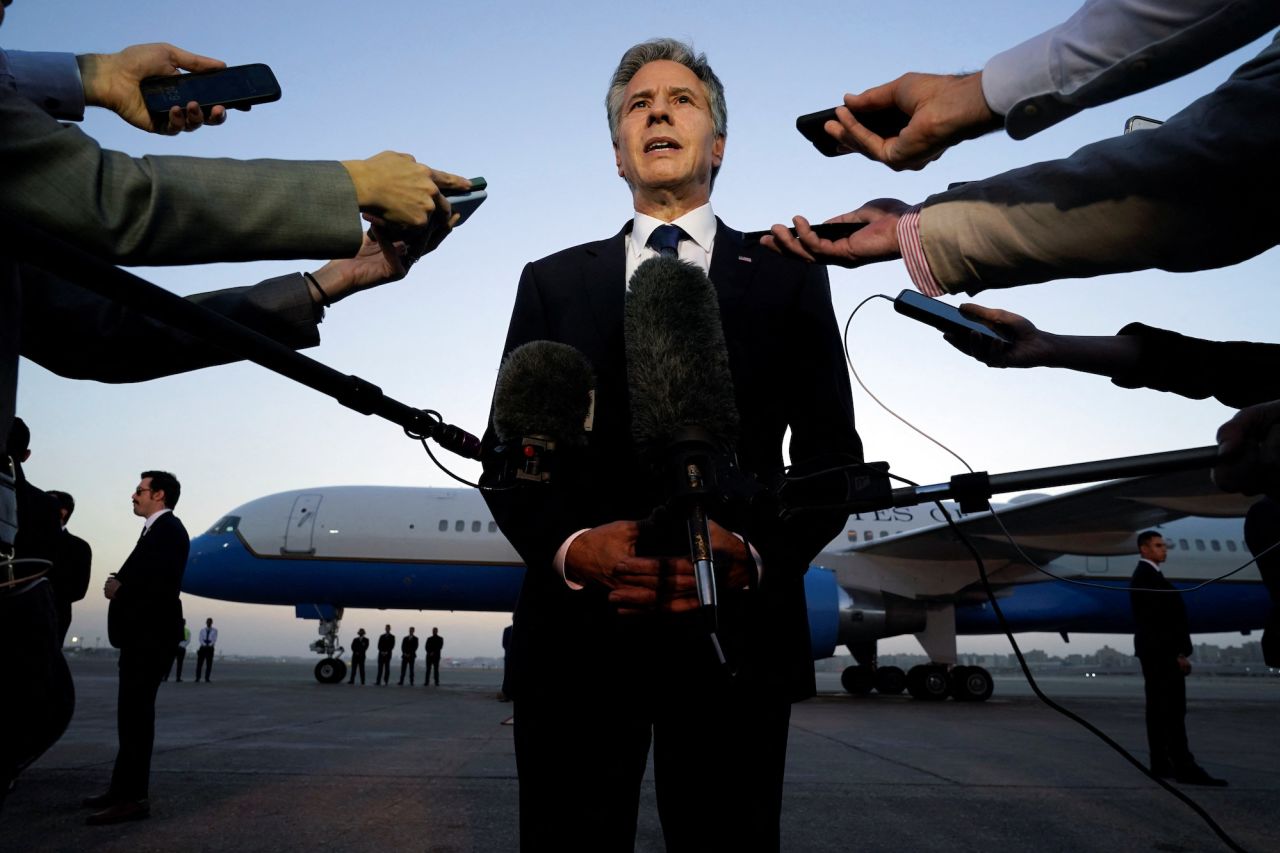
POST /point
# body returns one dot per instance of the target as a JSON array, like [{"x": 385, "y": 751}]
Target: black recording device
[
  {"x": 542, "y": 408},
  {"x": 825, "y": 230},
  {"x": 465, "y": 204},
  {"x": 236, "y": 87},
  {"x": 885, "y": 123},
  {"x": 940, "y": 315}
]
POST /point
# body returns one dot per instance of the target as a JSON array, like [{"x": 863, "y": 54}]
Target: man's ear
[
  {"x": 617, "y": 159},
  {"x": 717, "y": 151}
]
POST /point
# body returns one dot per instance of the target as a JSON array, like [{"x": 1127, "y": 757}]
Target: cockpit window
[{"x": 226, "y": 524}]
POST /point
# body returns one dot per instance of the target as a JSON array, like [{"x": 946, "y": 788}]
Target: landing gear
[
  {"x": 890, "y": 680},
  {"x": 971, "y": 684},
  {"x": 858, "y": 680},
  {"x": 331, "y": 671},
  {"x": 928, "y": 683}
]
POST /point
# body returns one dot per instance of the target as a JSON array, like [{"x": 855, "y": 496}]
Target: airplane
[{"x": 891, "y": 573}]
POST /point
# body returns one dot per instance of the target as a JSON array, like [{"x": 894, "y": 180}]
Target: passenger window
[
  {"x": 1231, "y": 546},
  {"x": 475, "y": 527},
  {"x": 1199, "y": 544},
  {"x": 459, "y": 526},
  {"x": 1215, "y": 545},
  {"x": 444, "y": 525},
  {"x": 884, "y": 533},
  {"x": 867, "y": 536},
  {"x": 1172, "y": 545},
  {"x": 493, "y": 527},
  {"x": 1182, "y": 543}
]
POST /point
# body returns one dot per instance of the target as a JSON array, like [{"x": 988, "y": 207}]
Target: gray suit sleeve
[
  {"x": 1197, "y": 193},
  {"x": 169, "y": 210}
]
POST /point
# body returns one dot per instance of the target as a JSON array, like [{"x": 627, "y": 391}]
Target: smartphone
[
  {"x": 1140, "y": 123},
  {"x": 825, "y": 230},
  {"x": 465, "y": 204},
  {"x": 885, "y": 123},
  {"x": 239, "y": 86},
  {"x": 940, "y": 315}
]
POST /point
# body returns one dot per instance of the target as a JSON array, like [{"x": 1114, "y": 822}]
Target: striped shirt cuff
[{"x": 913, "y": 254}]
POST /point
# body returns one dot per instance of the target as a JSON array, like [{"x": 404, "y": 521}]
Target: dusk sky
[{"x": 514, "y": 92}]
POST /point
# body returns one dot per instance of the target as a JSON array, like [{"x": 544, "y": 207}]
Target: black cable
[
  {"x": 1004, "y": 625},
  {"x": 1071, "y": 715}
]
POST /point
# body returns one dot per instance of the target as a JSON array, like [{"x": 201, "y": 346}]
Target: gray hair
[{"x": 655, "y": 50}]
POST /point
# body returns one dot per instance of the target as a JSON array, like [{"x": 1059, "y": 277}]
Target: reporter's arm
[{"x": 1112, "y": 48}]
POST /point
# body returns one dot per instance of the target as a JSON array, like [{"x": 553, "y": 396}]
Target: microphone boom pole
[{"x": 34, "y": 247}]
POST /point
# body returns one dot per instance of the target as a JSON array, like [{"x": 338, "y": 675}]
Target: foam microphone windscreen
[
  {"x": 544, "y": 388},
  {"x": 677, "y": 364}
]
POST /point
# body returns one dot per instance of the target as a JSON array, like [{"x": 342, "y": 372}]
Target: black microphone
[
  {"x": 542, "y": 400},
  {"x": 684, "y": 419}
]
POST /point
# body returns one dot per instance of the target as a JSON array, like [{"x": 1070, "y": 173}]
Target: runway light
[{"x": 333, "y": 531}]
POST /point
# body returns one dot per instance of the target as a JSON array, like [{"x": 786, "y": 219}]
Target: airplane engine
[{"x": 839, "y": 616}]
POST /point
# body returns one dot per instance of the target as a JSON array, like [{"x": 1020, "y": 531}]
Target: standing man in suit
[
  {"x": 386, "y": 645},
  {"x": 632, "y": 663},
  {"x": 144, "y": 620},
  {"x": 359, "y": 646},
  {"x": 408, "y": 656},
  {"x": 434, "y": 644},
  {"x": 72, "y": 565},
  {"x": 1162, "y": 642},
  {"x": 207, "y": 639}
]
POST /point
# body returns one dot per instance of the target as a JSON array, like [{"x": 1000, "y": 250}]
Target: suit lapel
[{"x": 732, "y": 272}]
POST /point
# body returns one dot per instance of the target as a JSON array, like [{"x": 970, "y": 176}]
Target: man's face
[
  {"x": 146, "y": 501},
  {"x": 666, "y": 140},
  {"x": 1154, "y": 550}
]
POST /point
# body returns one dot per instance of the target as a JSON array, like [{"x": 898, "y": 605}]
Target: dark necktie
[{"x": 665, "y": 240}]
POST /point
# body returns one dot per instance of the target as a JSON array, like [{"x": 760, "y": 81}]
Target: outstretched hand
[
  {"x": 111, "y": 80},
  {"x": 944, "y": 110},
  {"x": 878, "y": 241}
]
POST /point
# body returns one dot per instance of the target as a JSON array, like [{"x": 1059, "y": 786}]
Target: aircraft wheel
[
  {"x": 330, "y": 671},
  {"x": 858, "y": 680},
  {"x": 890, "y": 680},
  {"x": 928, "y": 683},
  {"x": 971, "y": 684}
]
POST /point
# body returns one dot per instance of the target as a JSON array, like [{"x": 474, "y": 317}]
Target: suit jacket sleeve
[
  {"x": 1197, "y": 193},
  {"x": 169, "y": 210},
  {"x": 146, "y": 605},
  {"x": 80, "y": 335},
  {"x": 819, "y": 406}
]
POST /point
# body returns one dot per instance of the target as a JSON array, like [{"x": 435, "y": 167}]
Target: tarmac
[{"x": 264, "y": 758}]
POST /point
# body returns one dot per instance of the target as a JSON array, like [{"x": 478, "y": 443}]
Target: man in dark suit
[
  {"x": 434, "y": 646},
  {"x": 606, "y": 654},
  {"x": 386, "y": 645},
  {"x": 408, "y": 657},
  {"x": 1162, "y": 642},
  {"x": 144, "y": 620},
  {"x": 72, "y": 565},
  {"x": 359, "y": 647}
]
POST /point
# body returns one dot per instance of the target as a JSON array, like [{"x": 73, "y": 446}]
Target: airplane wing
[{"x": 1097, "y": 520}]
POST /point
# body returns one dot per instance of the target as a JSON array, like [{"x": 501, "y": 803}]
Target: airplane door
[{"x": 300, "y": 535}]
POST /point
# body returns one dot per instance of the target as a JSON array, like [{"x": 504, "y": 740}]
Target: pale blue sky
[{"x": 514, "y": 92}]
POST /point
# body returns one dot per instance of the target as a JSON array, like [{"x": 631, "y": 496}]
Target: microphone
[
  {"x": 543, "y": 399},
  {"x": 684, "y": 419}
]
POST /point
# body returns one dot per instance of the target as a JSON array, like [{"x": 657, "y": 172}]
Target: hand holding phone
[
  {"x": 887, "y": 122},
  {"x": 237, "y": 87}
]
